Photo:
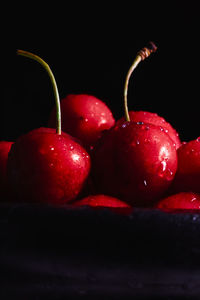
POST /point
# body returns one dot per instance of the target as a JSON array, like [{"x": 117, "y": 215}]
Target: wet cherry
[
  {"x": 84, "y": 117},
  {"x": 145, "y": 116},
  {"x": 101, "y": 200},
  {"x": 188, "y": 173},
  {"x": 155, "y": 119},
  {"x": 182, "y": 200},
  {"x": 135, "y": 161},
  {"x": 47, "y": 165}
]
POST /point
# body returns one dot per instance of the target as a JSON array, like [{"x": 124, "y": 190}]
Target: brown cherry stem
[{"x": 141, "y": 55}]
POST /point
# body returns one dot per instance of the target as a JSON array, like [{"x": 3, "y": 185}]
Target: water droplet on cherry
[
  {"x": 147, "y": 140},
  {"x": 162, "y": 168},
  {"x": 169, "y": 174},
  {"x": 165, "y": 172},
  {"x": 193, "y": 199},
  {"x": 145, "y": 182},
  {"x": 190, "y": 151}
]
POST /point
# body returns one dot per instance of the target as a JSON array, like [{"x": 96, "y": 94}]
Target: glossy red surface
[
  {"x": 101, "y": 200},
  {"x": 155, "y": 119},
  {"x": 188, "y": 173},
  {"x": 84, "y": 117},
  {"x": 182, "y": 200},
  {"x": 135, "y": 162},
  {"x": 46, "y": 167}
]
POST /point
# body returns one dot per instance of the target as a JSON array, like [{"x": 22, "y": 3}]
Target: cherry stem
[
  {"x": 53, "y": 81},
  {"x": 141, "y": 55}
]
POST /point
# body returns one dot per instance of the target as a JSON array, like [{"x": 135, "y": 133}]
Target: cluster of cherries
[{"x": 95, "y": 160}]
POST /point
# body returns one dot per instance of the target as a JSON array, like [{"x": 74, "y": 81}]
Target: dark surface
[{"x": 65, "y": 253}]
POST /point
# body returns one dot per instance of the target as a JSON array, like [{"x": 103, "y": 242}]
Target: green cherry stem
[
  {"x": 141, "y": 55},
  {"x": 53, "y": 81}
]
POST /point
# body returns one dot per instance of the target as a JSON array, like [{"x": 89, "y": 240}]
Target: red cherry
[
  {"x": 101, "y": 200},
  {"x": 84, "y": 117},
  {"x": 135, "y": 162},
  {"x": 188, "y": 173},
  {"x": 4, "y": 150},
  {"x": 47, "y": 165},
  {"x": 182, "y": 200},
  {"x": 144, "y": 116},
  {"x": 155, "y": 119}
]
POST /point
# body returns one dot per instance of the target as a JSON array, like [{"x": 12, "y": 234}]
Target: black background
[{"x": 90, "y": 49}]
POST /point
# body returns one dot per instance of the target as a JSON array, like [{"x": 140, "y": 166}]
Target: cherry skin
[
  {"x": 135, "y": 162},
  {"x": 145, "y": 116},
  {"x": 188, "y": 173},
  {"x": 182, "y": 200},
  {"x": 4, "y": 150},
  {"x": 44, "y": 166},
  {"x": 47, "y": 165},
  {"x": 101, "y": 200},
  {"x": 84, "y": 117},
  {"x": 155, "y": 119}
]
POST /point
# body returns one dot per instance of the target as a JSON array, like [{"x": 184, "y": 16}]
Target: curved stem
[
  {"x": 130, "y": 71},
  {"x": 141, "y": 55},
  {"x": 53, "y": 81}
]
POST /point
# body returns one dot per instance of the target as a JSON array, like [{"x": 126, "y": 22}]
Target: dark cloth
[{"x": 49, "y": 252}]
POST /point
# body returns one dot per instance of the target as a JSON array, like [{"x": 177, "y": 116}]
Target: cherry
[
  {"x": 135, "y": 161},
  {"x": 155, "y": 119},
  {"x": 84, "y": 117},
  {"x": 47, "y": 165},
  {"x": 145, "y": 116},
  {"x": 182, "y": 200},
  {"x": 188, "y": 173},
  {"x": 4, "y": 150},
  {"x": 101, "y": 200}
]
